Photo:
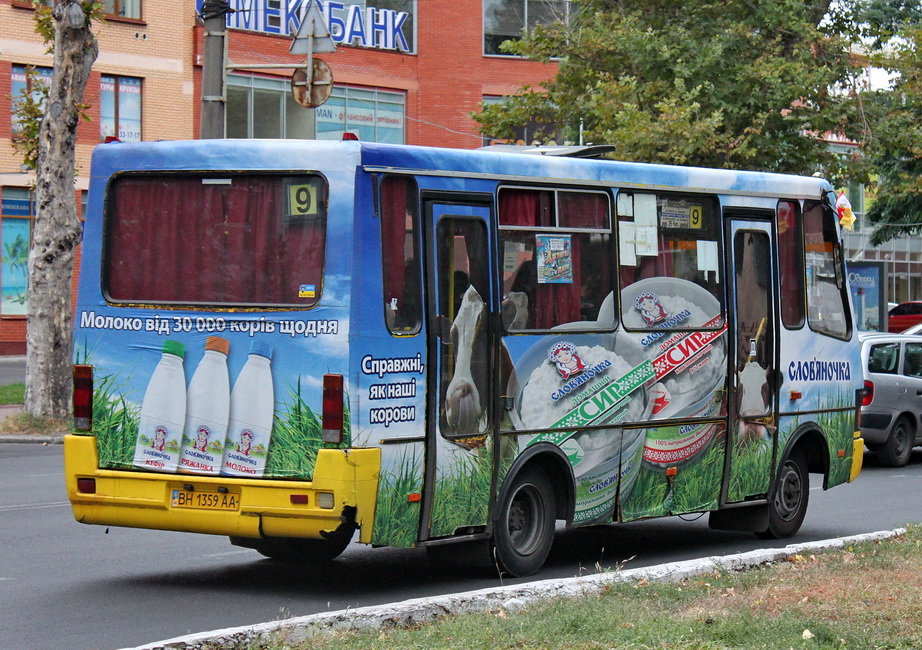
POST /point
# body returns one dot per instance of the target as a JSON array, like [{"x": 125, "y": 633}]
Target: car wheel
[
  {"x": 787, "y": 506},
  {"x": 523, "y": 530},
  {"x": 896, "y": 451}
]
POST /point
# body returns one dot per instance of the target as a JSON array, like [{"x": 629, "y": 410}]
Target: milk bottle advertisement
[{"x": 211, "y": 395}]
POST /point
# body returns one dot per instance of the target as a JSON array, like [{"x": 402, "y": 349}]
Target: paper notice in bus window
[
  {"x": 512, "y": 253},
  {"x": 645, "y": 238},
  {"x": 674, "y": 217},
  {"x": 707, "y": 255},
  {"x": 625, "y": 205},
  {"x": 626, "y": 243},
  {"x": 645, "y": 210},
  {"x": 555, "y": 259}
]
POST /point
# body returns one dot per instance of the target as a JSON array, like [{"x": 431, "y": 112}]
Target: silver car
[{"x": 892, "y": 408}]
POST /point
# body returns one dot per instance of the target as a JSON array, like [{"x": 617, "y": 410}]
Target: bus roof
[{"x": 346, "y": 156}]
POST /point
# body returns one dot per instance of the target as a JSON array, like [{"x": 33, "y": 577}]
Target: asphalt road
[
  {"x": 12, "y": 370},
  {"x": 65, "y": 585}
]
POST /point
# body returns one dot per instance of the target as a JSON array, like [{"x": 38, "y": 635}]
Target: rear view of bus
[{"x": 209, "y": 376}]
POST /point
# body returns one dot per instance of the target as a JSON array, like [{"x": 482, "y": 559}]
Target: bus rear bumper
[
  {"x": 857, "y": 457},
  {"x": 220, "y": 505}
]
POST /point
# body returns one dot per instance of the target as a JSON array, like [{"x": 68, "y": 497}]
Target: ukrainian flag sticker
[{"x": 307, "y": 291}]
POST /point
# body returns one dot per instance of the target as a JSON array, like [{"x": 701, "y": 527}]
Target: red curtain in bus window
[
  {"x": 553, "y": 303},
  {"x": 393, "y": 236},
  {"x": 589, "y": 210},
  {"x": 174, "y": 239}
]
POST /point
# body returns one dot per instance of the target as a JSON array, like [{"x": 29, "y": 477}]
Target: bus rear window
[{"x": 216, "y": 240}]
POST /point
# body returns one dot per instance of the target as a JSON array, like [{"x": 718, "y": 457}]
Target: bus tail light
[
  {"x": 83, "y": 397},
  {"x": 868, "y": 396},
  {"x": 332, "y": 409}
]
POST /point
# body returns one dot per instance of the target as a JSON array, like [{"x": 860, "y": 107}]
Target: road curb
[
  {"x": 511, "y": 598},
  {"x": 49, "y": 439}
]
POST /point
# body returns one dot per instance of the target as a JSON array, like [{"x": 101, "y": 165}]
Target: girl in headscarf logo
[
  {"x": 564, "y": 356},
  {"x": 647, "y": 303}
]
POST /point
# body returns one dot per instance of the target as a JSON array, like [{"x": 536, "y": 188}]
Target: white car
[{"x": 891, "y": 411}]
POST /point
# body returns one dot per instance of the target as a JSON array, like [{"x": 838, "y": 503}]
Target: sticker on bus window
[
  {"x": 675, "y": 217},
  {"x": 307, "y": 291},
  {"x": 555, "y": 259},
  {"x": 303, "y": 200}
]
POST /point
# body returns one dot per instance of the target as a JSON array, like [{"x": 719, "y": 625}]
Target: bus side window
[
  {"x": 791, "y": 252},
  {"x": 399, "y": 247},
  {"x": 828, "y": 313}
]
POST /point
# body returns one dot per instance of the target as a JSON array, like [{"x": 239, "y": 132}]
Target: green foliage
[
  {"x": 896, "y": 149},
  {"x": 29, "y": 107},
  {"x": 734, "y": 85}
]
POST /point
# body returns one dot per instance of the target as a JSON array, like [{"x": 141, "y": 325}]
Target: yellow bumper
[
  {"x": 857, "y": 456},
  {"x": 264, "y": 507}
]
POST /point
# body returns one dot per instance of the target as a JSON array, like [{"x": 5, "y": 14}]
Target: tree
[
  {"x": 56, "y": 233},
  {"x": 738, "y": 84}
]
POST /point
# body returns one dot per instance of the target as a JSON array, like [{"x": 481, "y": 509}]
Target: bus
[{"x": 298, "y": 344}]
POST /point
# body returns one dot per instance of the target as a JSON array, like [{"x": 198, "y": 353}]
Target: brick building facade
[{"x": 408, "y": 71}]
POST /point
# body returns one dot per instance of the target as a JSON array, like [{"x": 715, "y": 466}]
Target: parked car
[
  {"x": 904, "y": 315},
  {"x": 892, "y": 406}
]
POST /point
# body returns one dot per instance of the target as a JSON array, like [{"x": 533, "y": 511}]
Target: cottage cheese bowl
[{"x": 690, "y": 363}]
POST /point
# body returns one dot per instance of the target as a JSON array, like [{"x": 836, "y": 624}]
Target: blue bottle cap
[{"x": 261, "y": 348}]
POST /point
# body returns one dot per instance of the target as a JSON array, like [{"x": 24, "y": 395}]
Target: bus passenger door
[
  {"x": 752, "y": 431},
  {"x": 460, "y": 398}
]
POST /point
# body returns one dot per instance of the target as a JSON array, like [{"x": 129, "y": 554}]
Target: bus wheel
[
  {"x": 524, "y": 526},
  {"x": 296, "y": 551},
  {"x": 895, "y": 452},
  {"x": 788, "y": 505}
]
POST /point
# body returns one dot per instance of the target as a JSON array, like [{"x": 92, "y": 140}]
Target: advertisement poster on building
[
  {"x": 14, "y": 267},
  {"x": 867, "y": 283}
]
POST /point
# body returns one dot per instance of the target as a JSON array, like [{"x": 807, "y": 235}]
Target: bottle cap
[
  {"x": 217, "y": 344},
  {"x": 174, "y": 347},
  {"x": 261, "y": 348}
]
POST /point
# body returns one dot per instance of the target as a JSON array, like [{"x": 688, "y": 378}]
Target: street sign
[
  {"x": 311, "y": 93},
  {"x": 313, "y": 34}
]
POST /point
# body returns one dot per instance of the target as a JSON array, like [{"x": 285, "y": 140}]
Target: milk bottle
[
  {"x": 252, "y": 406},
  {"x": 163, "y": 413},
  {"x": 207, "y": 411}
]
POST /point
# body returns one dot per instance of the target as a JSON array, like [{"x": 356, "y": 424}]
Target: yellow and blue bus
[{"x": 297, "y": 343}]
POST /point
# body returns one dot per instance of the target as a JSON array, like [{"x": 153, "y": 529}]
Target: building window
[
  {"x": 270, "y": 99},
  {"x": 15, "y": 240},
  {"x": 27, "y": 79},
  {"x": 507, "y": 20},
  {"x": 122, "y": 8},
  {"x": 373, "y": 115},
  {"x": 120, "y": 104}
]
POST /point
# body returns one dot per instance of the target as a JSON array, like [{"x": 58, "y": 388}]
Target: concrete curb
[
  {"x": 44, "y": 439},
  {"x": 510, "y": 598}
]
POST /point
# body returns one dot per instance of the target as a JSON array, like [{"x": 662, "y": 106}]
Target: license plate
[{"x": 205, "y": 500}]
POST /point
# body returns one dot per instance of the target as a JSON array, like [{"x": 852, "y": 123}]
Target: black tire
[
  {"x": 296, "y": 551},
  {"x": 523, "y": 530},
  {"x": 896, "y": 451},
  {"x": 787, "y": 506}
]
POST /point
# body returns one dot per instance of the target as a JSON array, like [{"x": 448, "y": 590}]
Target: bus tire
[
  {"x": 787, "y": 506},
  {"x": 523, "y": 530},
  {"x": 296, "y": 551},
  {"x": 895, "y": 452}
]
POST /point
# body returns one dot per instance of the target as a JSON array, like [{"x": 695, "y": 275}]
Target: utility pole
[{"x": 214, "y": 98}]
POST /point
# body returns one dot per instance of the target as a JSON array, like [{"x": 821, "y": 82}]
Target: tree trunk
[{"x": 56, "y": 232}]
